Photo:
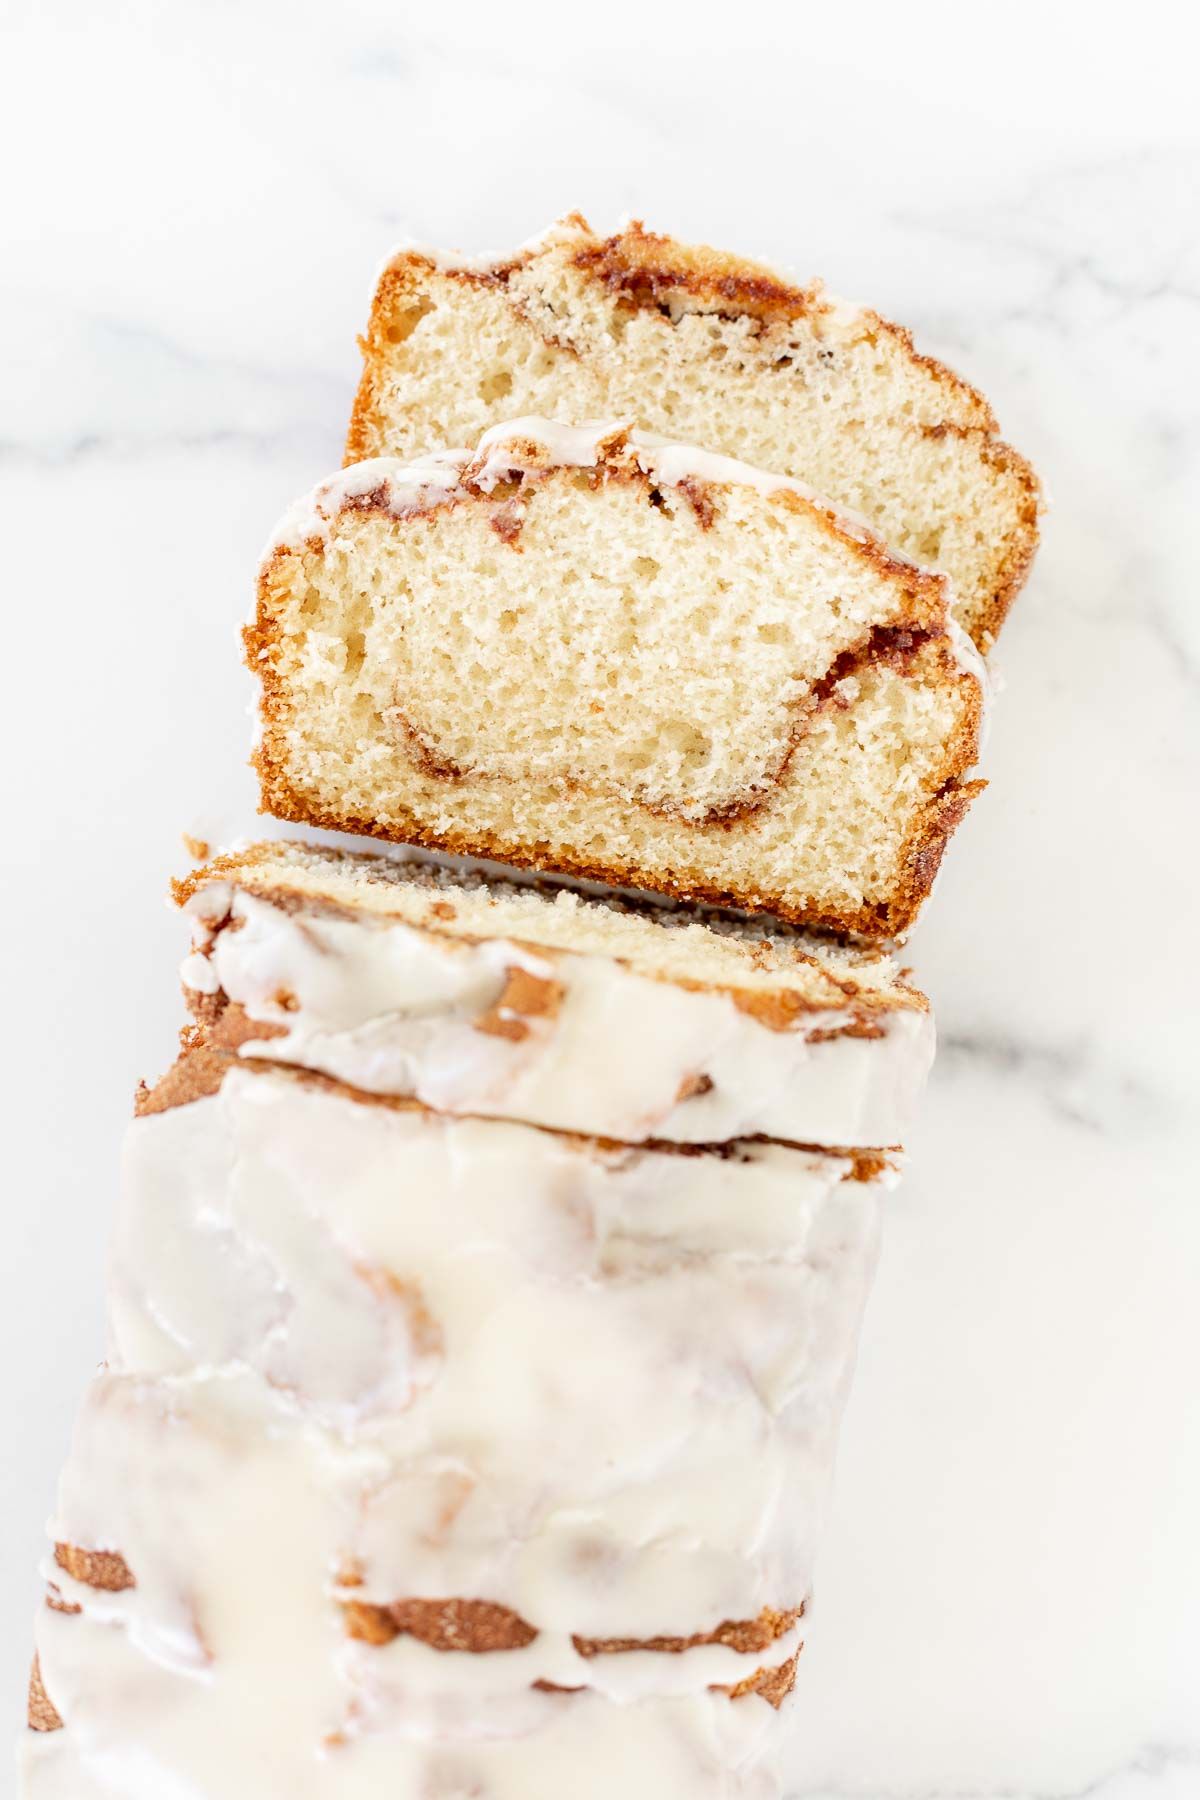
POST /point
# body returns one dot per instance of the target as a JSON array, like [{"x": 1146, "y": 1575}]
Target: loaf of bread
[
  {"x": 485, "y": 997},
  {"x": 489, "y": 1264},
  {"x": 581, "y": 650},
  {"x": 715, "y": 350},
  {"x": 430, "y": 1444}
]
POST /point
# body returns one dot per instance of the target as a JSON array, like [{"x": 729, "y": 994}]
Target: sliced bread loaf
[
  {"x": 585, "y": 650},
  {"x": 438, "y": 1426},
  {"x": 489, "y": 998},
  {"x": 591, "y": 652},
  {"x": 716, "y": 350}
]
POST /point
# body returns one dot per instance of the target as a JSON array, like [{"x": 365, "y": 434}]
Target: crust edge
[{"x": 715, "y": 274}]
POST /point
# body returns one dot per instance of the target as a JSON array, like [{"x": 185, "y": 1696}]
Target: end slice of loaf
[
  {"x": 484, "y": 997},
  {"x": 585, "y": 650},
  {"x": 717, "y": 350}
]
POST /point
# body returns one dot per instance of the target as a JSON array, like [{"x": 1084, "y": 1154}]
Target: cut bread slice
[
  {"x": 486, "y": 997},
  {"x": 583, "y": 650},
  {"x": 717, "y": 350}
]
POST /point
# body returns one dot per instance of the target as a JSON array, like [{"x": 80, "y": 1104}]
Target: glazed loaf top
[{"x": 489, "y": 998}]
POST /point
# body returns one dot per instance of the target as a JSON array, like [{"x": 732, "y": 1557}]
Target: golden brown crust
[
  {"x": 646, "y": 269},
  {"x": 870, "y": 1164},
  {"x": 43, "y": 1715},
  {"x": 650, "y": 270},
  {"x": 226, "y": 1025},
  {"x": 883, "y": 920},
  {"x": 927, "y": 842},
  {"x": 195, "y": 1075},
  {"x": 475, "y": 1626},
  {"x": 783, "y": 1009},
  {"x": 746, "y": 1636},
  {"x": 102, "y": 1569},
  {"x": 480, "y": 1627},
  {"x": 1021, "y": 546},
  {"x": 392, "y": 311},
  {"x": 524, "y": 997},
  {"x": 771, "y": 1685}
]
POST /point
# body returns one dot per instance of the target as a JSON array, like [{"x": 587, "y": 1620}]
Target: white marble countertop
[{"x": 196, "y": 200}]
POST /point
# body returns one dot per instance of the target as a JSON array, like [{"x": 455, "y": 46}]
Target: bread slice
[
  {"x": 489, "y": 998},
  {"x": 583, "y": 650},
  {"x": 716, "y": 350}
]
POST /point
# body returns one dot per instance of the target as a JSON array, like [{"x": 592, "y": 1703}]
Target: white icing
[
  {"x": 699, "y": 1747},
  {"x": 457, "y": 262},
  {"x": 393, "y": 1009},
  {"x": 199, "y": 974},
  {"x": 226, "y": 1670},
  {"x": 455, "y": 1358},
  {"x": 530, "y": 444},
  {"x": 405, "y": 487},
  {"x": 401, "y": 1277}
]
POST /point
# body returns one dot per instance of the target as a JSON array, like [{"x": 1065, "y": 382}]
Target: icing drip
[
  {"x": 330, "y": 1384},
  {"x": 578, "y": 1042}
]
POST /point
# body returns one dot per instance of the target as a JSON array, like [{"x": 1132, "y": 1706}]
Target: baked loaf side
[
  {"x": 487, "y": 998},
  {"x": 398, "y": 1276},
  {"x": 717, "y": 350},
  {"x": 331, "y": 1510},
  {"x": 583, "y": 650}
]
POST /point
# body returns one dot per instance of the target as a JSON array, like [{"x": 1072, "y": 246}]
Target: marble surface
[{"x": 196, "y": 202}]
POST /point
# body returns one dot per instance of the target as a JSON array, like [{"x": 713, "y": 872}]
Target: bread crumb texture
[
  {"x": 734, "y": 702},
  {"x": 714, "y": 350}
]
